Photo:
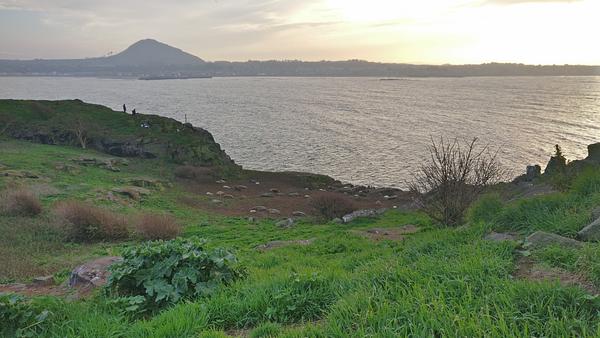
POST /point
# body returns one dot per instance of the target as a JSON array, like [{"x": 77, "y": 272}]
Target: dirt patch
[
  {"x": 284, "y": 192},
  {"x": 388, "y": 234},
  {"x": 35, "y": 290},
  {"x": 527, "y": 269}
]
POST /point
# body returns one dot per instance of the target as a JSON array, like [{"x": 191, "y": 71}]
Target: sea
[{"x": 368, "y": 131}]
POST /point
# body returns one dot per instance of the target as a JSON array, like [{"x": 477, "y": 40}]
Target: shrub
[
  {"x": 152, "y": 227},
  {"x": 485, "y": 209},
  {"x": 166, "y": 272},
  {"x": 454, "y": 178},
  {"x": 18, "y": 317},
  {"x": 332, "y": 206},
  {"x": 20, "y": 203},
  {"x": 89, "y": 223}
]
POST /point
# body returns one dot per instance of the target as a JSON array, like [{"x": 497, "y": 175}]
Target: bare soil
[
  {"x": 389, "y": 234},
  {"x": 527, "y": 269}
]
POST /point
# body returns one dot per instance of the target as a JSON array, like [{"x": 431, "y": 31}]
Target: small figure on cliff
[
  {"x": 124, "y": 109},
  {"x": 133, "y": 112}
]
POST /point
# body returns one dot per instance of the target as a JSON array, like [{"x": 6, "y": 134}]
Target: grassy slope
[{"x": 439, "y": 282}]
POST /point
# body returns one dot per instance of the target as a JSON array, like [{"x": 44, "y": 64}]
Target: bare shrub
[
  {"x": 88, "y": 223},
  {"x": 153, "y": 227},
  {"x": 20, "y": 202},
  {"x": 453, "y": 178},
  {"x": 332, "y": 206}
]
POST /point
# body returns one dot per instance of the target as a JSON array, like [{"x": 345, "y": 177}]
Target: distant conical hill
[{"x": 150, "y": 52}]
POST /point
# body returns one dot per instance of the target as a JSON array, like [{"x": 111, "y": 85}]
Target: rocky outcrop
[
  {"x": 590, "y": 233},
  {"x": 541, "y": 239},
  {"x": 363, "y": 213},
  {"x": 92, "y": 274},
  {"x": 111, "y": 132}
]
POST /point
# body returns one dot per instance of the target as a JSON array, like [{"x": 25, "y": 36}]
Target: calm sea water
[{"x": 359, "y": 130}]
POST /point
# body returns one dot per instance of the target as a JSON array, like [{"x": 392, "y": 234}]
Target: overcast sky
[{"x": 418, "y": 31}]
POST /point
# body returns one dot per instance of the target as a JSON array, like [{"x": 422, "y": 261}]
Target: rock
[
  {"x": 252, "y": 211},
  {"x": 94, "y": 273},
  {"x": 363, "y": 213},
  {"x": 591, "y": 233},
  {"x": 298, "y": 214},
  {"x": 19, "y": 174},
  {"x": 240, "y": 187},
  {"x": 43, "y": 281},
  {"x": 221, "y": 182},
  {"x": 274, "y": 190},
  {"x": 286, "y": 223},
  {"x": 135, "y": 193},
  {"x": 306, "y": 196},
  {"x": 378, "y": 202},
  {"x": 260, "y": 208},
  {"x": 220, "y": 193},
  {"x": 274, "y": 212},
  {"x": 392, "y": 197},
  {"x": 216, "y": 201},
  {"x": 227, "y": 187},
  {"x": 500, "y": 237},
  {"x": 208, "y": 193},
  {"x": 267, "y": 194},
  {"x": 293, "y": 194},
  {"x": 532, "y": 172},
  {"x": 229, "y": 197},
  {"x": 596, "y": 213},
  {"x": 541, "y": 239},
  {"x": 594, "y": 152},
  {"x": 279, "y": 244}
]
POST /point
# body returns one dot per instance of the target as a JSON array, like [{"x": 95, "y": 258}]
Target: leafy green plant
[
  {"x": 485, "y": 209},
  {"x": 18, "y": 317},
  {"x": 165, "y": 272}
]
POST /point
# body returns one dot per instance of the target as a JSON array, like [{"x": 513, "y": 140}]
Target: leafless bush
[
  {"x": 20, "y": 202},
  {"x": 153, "y": 227},
  {"x": 332, "y": 206},
  {"x": 88, "y": 223},
  {"x": 454, "y": 177}
]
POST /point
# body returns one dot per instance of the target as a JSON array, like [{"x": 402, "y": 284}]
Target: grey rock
[
  {"x": 274, "y": 190},
  {"x": 216, "y": 201},
  {"x": 591, "y": 233},
  {"x": 43, "y": 281},
  {"x": 260, "y": 208},
  {"x": 267, "y": 194},
  {"x": 135, "y": 193},
  {"x": 596, "y": 213},
  {"x": 298, "y": 214},
  {"x": 286, "y": 223},
  {"x": 274, "y": 211},
  {"x": 227, "y": 196},
  {"x": 94, "y": 273},
  {"x": 240, "y": 187},
  {"x": 363, "y": 213},
  {"x": 293, "y": 194},
  {"x": 541, "y": 239},
  {"x": 501, "y": 237}
]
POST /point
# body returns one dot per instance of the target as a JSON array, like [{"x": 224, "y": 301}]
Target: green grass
[{"x": 437, "y": 282}]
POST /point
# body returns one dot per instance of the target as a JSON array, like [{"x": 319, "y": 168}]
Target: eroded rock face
[
  {"x": 92, "y": 274},
  {"x": 591, "y": 233},
  {"x": 542, "y": 239}
]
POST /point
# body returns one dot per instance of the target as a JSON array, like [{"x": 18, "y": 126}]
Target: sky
[{"x": 404, "y": 31}]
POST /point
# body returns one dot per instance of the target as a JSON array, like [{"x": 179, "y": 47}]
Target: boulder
[
  {"x": 260, "y": 208},
  {"x": 363, "y": 213},
  {"x": 240, "y": 187},
  {"x": 92, "y": 274},
  {"x": 591, "y": 233},
  {"x": 43, "y": 281},
  {"x": 286, "y": 223},
  {"x": 596, "y": 213},
  {"x": 500, "y": 237},
  {"x": 541, "y": 239},
  {"x": 298, "y": 214},
  {"x": 274, "y": 211}
]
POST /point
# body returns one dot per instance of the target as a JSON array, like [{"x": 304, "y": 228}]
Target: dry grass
[
  {"x": 332, "y": 206},
  {"x": 20, "y": 202},
  {"x": 153, "y": 227},
  {"x": 88, "y": 223}
]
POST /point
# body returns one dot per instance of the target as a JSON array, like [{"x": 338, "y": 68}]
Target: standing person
[
  {"x": 133, "y": 111},
  {"x": 124, "y": 109}
]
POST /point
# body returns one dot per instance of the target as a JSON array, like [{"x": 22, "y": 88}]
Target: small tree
[
  {"x": 80, "y": 128},
  {"x": 453, "y": 178}
]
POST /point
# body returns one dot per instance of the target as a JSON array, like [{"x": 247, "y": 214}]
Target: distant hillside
[
  {"x": 149, "y": 58},
  {"x": 150, "y": 52}
]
